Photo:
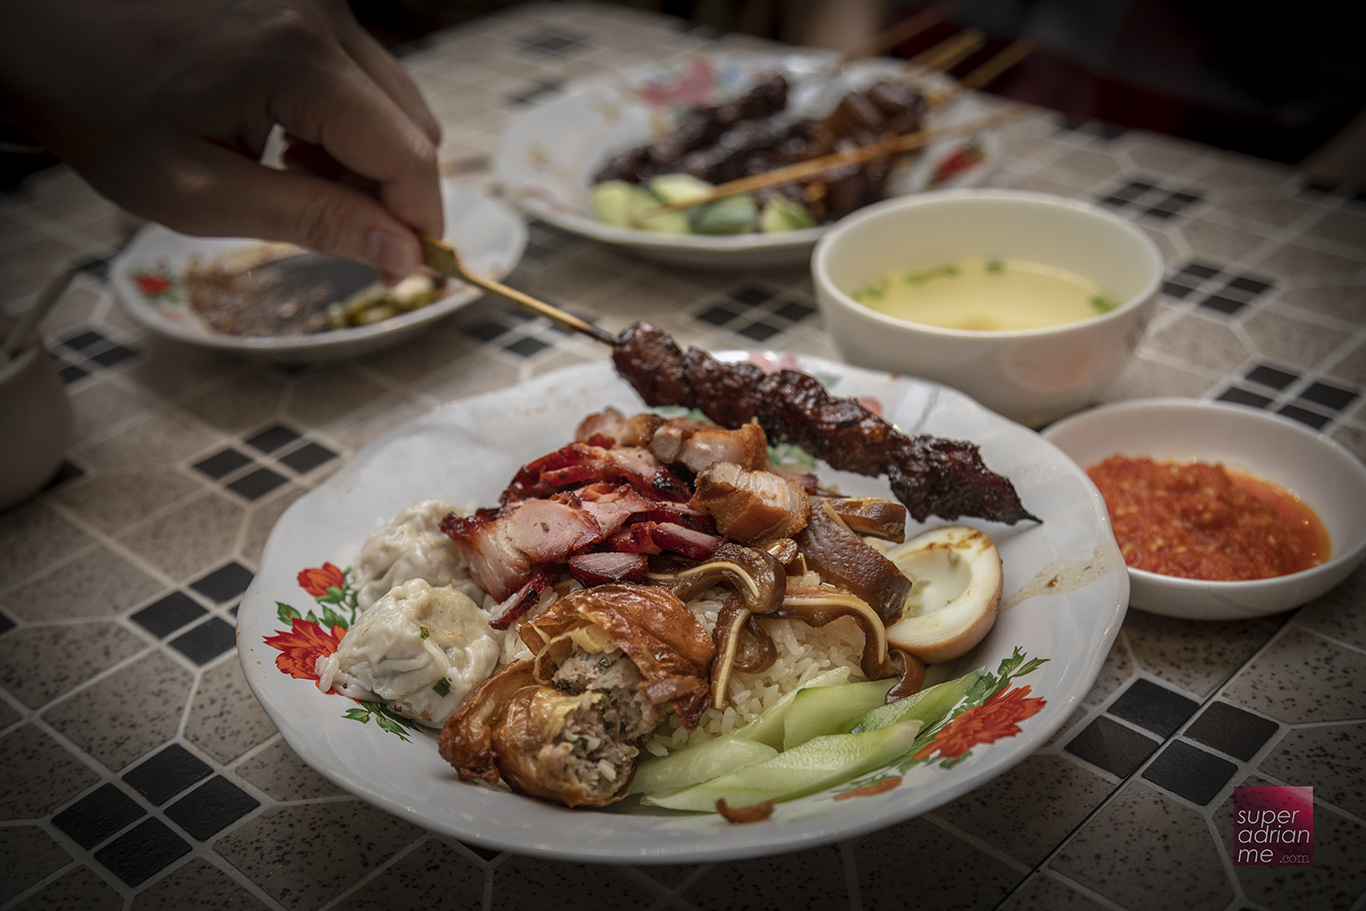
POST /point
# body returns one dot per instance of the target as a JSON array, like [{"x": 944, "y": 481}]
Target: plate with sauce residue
[
  {"x": 208, "y": 291},
  {"x": 1322, "y": 475}
]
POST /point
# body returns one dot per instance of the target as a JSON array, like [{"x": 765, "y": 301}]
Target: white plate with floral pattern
[
  {"x": 1066, "y": 590},
  {"x": 548, "y": 155},
  {"x": 148, "y": 277}
]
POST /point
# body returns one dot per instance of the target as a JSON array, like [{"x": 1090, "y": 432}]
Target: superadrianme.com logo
[{"x": 1274, "y": 825}]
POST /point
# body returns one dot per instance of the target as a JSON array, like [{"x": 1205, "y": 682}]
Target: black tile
[
  {"x": 718, "y": 315},
  {"x": 97, "y": 267},
  {"x": 224, "y": 583},
  {"x": 82, "y": 341},
  {"x": 166, "y": 773},
  {"x": 69, "y": 471},
  {"x": 6, "y": 624},
  {"x": 169, "y": 614},
  {"x": 1305, "y": 416},
  {"x": 257, "y": 484},
  {"x": 1270, "y": 376},
  {"x": 1131, "y": 191},
  {"x": 1231, "y": 730},
  {"x": 1160, "y": 213},
  {"x": 1190, "y": 772},
  {"x": 308, "y": 457},
  {"x": 98, "y": 815},
  {"x": 1334, "y": 397},
  {"x": 759, "y": 332},
  {"x": 485, "y": 331},
  {"x": 1180, "y": 292},
  {"x": 1244, "y": 397},
  {"x": 114, "y": 355},
  {"x": 273, "y": 438},
  {"x": 143, "y": 852},
  {"x": 1200, "y": 269},
  {"x": 207, "y": 641},
  {"x": 71, "y": 373},
  {"x": 1250, "y": 284},
  {"x": 211, "y": 808},
  {"x": 1114, "y": 202},
  {"x": 1152, "y": 707},
  {"x": 751, "y": 295},
  {"x": 1318, "y": 187},
  {"x": 796, "y": 311},
  {"x": 1112, "y": 746},
  {"x": 221, "y": 463},
  {"x": 1223, "y": 304},
  {"x": 526, "y": 346}
]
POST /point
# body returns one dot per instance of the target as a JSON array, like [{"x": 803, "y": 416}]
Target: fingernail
[{"x": 395, "y": 255}]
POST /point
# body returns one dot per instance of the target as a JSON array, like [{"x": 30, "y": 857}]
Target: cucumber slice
[
  {"x": 767, "y": 728},
  {"x": 678, "y": 187},
  {"x": 928, "y": 706},
  {"x": 831, "y": 709},
  {"x": 615, "y": 200},
  {"x": 698, "y": 763},
  {"x": 818, "y": 764},
  {"x": 732, "y": 215},
  {"x": 782, "y": 214}
]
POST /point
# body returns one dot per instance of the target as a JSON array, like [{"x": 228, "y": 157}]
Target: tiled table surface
[{"x": 139, "y": 771}]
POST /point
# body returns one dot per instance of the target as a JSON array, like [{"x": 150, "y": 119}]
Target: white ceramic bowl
[
  {"x": 1031, "y": 376},
  {"x": 548, "y": 155},
  {"x": 1330, "y": 480}
]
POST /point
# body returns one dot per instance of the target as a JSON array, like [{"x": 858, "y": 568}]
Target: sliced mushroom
[
  {"x": 759, "y": 582},
  {"x": 871, "y": 516},
  {"x": 845, "y": 559},
  {"x": 952, "y": 605}
]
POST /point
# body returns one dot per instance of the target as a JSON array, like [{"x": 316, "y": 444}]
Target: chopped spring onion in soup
[{"x": 986, "y": 295}]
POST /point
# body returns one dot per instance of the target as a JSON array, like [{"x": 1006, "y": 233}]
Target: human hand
[{"x": 165, "y": 107}]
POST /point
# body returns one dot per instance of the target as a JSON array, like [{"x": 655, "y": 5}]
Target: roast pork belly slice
[
  {"x": 501, "y": 546},
  {"x": 623, "y": 431},
  {"x": 751, "y": 506},
  {"x": 589, "y": 462},
  {"x": 699, "y": 446}
]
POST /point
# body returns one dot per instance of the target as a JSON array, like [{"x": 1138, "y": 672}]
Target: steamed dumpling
[
  {"x": 421, "y": 649},
  {"x": 411, "y": 546}
]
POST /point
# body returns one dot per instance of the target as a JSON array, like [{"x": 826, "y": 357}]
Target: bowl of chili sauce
[{"x": 1221, "y": 511}]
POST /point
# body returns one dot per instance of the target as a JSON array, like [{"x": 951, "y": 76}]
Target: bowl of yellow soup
[{"x": 1029, "y": 303}]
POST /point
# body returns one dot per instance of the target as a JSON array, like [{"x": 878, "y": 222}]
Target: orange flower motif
[
  {"x": 881, "y": 787},
  {"x": 318, "y": 580},
  {"x": 987, "y": 723},
  {"x": 302, "y": 646}
]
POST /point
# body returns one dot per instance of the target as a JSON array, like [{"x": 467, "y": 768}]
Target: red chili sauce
[{"x": 1201, "y": 521}]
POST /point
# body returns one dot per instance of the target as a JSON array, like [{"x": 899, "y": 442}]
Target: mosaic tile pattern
[{"x": 141, "y": 773}]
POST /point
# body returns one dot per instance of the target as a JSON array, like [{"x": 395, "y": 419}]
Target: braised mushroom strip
[{"x": 930, "y": 475}]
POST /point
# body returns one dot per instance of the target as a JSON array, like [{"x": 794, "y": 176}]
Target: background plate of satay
[{"x": 742, "y": 159}]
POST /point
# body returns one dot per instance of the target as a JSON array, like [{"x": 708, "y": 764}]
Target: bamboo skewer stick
[
  {"x": 907, "y": 28},
  {"x": 947, "y": 54},
  {"x": 988, "y": 72},
  {"x": 442, "y": 258}
]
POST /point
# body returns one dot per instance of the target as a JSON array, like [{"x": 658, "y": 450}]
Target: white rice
[{"x": 803, "y": 653}]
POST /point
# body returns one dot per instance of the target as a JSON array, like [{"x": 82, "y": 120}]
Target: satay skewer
[
  {"x": 893, "y": 145},
  {"x": 979, "y": 77}
]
